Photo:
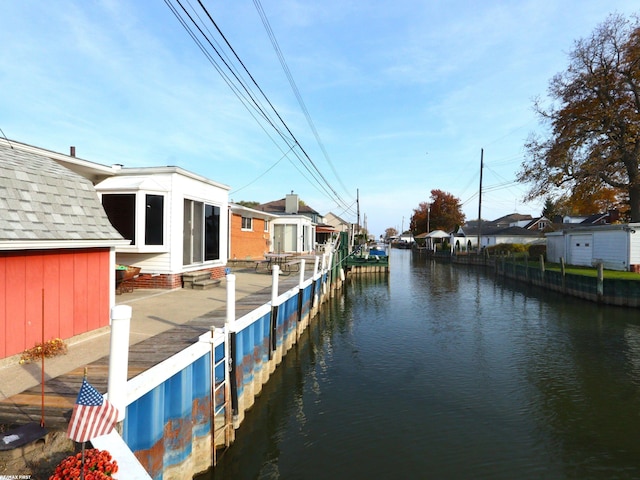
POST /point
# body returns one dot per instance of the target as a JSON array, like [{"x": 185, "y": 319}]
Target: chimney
[
  {"x": 73, "y": 151},
  {"x": 291, "y": 203}
]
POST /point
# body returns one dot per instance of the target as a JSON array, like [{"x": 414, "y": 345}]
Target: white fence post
[
  {"x": 301, "y": 277},
  {"x": 274, "y": 286},
  {"x": 119, "y": 358},
  {"x": 231, "y": 298}
]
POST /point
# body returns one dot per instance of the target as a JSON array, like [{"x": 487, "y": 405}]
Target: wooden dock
[{"x": 60, "y": 393}]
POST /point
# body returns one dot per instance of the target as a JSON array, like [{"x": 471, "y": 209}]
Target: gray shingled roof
[{"x": 41, "y": 200}]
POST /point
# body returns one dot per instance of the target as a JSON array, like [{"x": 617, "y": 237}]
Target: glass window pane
[
  {"x": 212, "y": 233},
  {"x": 153, "y": 222},
  {"x": 186, "y": 232},
  {"x": 121, "y": 210},
  {"x": 197, "y": 231}
]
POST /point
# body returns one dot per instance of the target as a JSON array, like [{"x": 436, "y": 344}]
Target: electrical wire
[
  {"x": 294, "y": 87},
  {"x": 292, "y": 136},
  {"x": 245, "y": 93}
]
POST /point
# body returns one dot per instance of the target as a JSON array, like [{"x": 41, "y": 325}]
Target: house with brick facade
[
  {"x": 249, "y": 233},
  {"x": 57, "y": 253}
]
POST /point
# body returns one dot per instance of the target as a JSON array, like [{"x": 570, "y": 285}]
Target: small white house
[
  {"x": 467, "y": 239},
  {"x": 176, "y": 221},
  {"x": 616, "y": 246},
  {"x": 294, "y": 225}
]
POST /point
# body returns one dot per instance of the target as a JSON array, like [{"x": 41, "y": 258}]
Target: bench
[
  {"x": 266, "y": 263},
  {"x": 292, "y": 266}
]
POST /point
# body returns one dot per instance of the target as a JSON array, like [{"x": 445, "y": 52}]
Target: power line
[
  {"x": 311, "y": 168},
  {"x": 294, "y": 87},
  {"x": 262, "y": 174}
]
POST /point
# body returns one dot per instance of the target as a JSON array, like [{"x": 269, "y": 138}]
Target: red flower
[{"x": 98, "y": 465}]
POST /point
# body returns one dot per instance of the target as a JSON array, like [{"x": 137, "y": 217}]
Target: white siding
[
  {"x": 580, "y": 249},
  {"x": 192, "y": 189},
  {"x": 148, "y": 263},
  {"x": 293, "y": 245},
  {"x": 175, "y": 186},
  {"x": 555, "y": 248},
  {"x": 610, "y": 247},
  {"x": 634, "y": 246}
]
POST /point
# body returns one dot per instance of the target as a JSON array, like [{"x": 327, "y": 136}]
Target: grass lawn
[{"x": 588, "y": 271}]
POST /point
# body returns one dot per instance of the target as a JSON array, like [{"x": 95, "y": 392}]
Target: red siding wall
[{"x": 75, "y": 284}]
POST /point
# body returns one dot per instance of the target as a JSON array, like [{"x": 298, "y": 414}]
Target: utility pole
[
  {"x": 358, "y": 209},
  {"x": 480, "y": 201}
]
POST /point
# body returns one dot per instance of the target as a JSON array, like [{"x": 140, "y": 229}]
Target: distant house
[
  {"x": 607, "y": 218},
  {"x": 511, "y": 220},
  {"x": 249, "y": 233},
  {"x": 536, "y": 224},
  {"x": 616, "y": 246},
  {"x": 432, "y": 239},
  {"x": 57, "y": 252},
  {"x": 339, "y": 224},
  {"x": 513, "y": 228},
  {"x": 294, "y": 225}
]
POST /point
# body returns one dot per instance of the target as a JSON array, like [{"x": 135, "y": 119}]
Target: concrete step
[
  {"x": 189, "y": 278},
  {"x": 206, "y": 284}
]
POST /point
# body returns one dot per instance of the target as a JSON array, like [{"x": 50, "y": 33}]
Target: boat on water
[
  {"x": 378, "y": 250},
  {"x": 369, "y": 256}
]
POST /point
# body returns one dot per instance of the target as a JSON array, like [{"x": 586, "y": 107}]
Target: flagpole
[
  {"x": 84, "y": 378},
  {"x": 42, "y": 359}
]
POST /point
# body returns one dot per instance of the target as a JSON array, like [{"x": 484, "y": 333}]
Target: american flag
[{"x": 92, "y": 415}]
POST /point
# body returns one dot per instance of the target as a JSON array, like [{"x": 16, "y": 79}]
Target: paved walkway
[{"x": 153, "y": 312}]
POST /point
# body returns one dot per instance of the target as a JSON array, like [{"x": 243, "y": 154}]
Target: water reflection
[{"x": 442, "y": 371}]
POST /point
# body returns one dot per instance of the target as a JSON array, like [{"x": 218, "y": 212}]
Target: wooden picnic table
[
  {"x": 277, "y": 258},
  {"x": 280, "y": 259}
]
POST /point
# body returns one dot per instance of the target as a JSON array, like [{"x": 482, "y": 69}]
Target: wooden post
[{"x": 600, "y": 284}]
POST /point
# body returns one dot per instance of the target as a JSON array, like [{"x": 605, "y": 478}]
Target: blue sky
[{"x": 402, "y": 95}]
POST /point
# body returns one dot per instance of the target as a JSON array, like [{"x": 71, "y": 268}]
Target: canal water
[{"x": 441, "y": 371}]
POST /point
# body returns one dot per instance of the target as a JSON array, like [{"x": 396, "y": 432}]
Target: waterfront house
[
  {"x": 465, "y": 238},
  {"x": 57, "y": 253},
  {"x": 616, "y": 246},
  {"x": 249, "y": 232},
  {"x": 338, "y": 224},
  {"x": 294, "y": 225},
  {"x": 176, "y": 221}
]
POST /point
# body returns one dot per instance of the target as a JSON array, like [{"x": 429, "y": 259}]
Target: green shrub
[
  {"x": 504, "y": 248},
  {"x": 536, "y": 250}
]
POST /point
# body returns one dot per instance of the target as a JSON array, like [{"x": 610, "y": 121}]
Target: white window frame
[{"x": 244, "y": 221}]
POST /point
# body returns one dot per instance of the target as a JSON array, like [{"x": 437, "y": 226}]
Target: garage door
[{"x": 581, "y": 250}]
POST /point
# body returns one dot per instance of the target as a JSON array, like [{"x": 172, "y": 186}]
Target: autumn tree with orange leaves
[
  {"x": 442, "y": 212},
  {"x": 593, "y": 144}
]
